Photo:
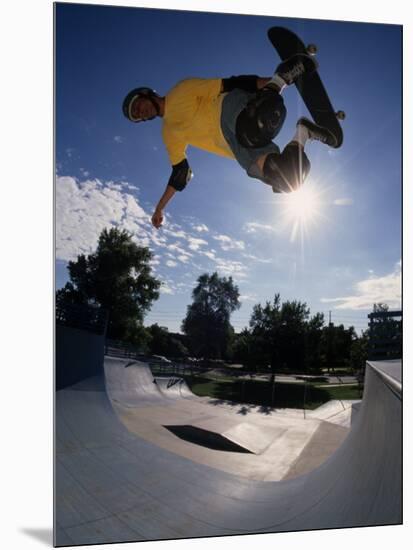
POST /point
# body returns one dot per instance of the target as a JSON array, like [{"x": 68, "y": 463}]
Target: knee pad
[
  {"x": 286, "y": 172},
  {"x": 261, "y": 120}
]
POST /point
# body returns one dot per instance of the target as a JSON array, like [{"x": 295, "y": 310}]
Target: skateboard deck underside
[{"x": 309, "y": 86}]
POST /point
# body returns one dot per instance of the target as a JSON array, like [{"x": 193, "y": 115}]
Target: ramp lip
[{"x": 391, "y": 381}]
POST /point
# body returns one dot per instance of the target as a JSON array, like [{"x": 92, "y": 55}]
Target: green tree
[
  {"x": 284, "y": 336},
  {"x": 293, "y": 335},
  {"x": 164, "y": 343},
  {"x": 117, "y": 277},
  {"x": 241, "y": 348},
  {"x": 359, "y": 352},
  {"x": 313, "y": 342},
  {"x": 337, "y": 343},
  {"x": 265, "y": 330},
  {"x": 207, "y": 322}
]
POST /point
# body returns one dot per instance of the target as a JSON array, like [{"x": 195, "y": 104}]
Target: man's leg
[
  {"x": 289, "y": 70},
  {"x": 261, "y": 120},
  {"x": 287, "y": 171},
  {"x": 263, "y": 117}
]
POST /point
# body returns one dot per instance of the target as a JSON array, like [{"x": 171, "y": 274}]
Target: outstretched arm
[
  {"x": 181, "y": 175},
  {"x": 157, "y": 218}
]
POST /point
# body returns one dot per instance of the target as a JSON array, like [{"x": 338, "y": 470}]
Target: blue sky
[{"x": 112, "y": 172}]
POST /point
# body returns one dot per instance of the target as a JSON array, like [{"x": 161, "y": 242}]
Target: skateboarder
[{"x": 236, "y": 117}]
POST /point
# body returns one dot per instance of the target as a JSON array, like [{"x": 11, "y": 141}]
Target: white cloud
[
  {"x": 126, "y": 185},
  {"x": 158, "y": 238},
  {"x": 248, "y": 298},
  {"x": 227, "y": 243},
  {"x": 156, "y": 260},
  {"x": 224, "y": 266},
  {"x": 343, "y": 202},
  {"x": 118, "y": 139},
  {"x": 84, "y": 209},
  {"x": 209, "y": 254},
  {"x": 255, "y": 227},
  {"x": 166, "y": 289},
  {"x": 180, "y": 234},
  {"x": 256, "y": 259},
  {"x": 374, "y": 290},
  {"x": 177, "y": 248},
  {"x": 229, "y": 267},
  {"x": 201, "y": 228},
  {"x": 195, "y": 243},
  {"x": 173, "y": 230}
]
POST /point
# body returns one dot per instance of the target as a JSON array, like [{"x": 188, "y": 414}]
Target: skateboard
[{"x": 309, "y": 86}]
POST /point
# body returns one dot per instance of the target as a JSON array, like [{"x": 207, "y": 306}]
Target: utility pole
[{"x": 329, "y": 342}]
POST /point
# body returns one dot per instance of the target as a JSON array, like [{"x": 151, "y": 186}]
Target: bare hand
[{"x": 157, "y": 219}]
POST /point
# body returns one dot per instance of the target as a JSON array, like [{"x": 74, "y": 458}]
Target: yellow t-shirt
[{"x": 193, "y": 117}]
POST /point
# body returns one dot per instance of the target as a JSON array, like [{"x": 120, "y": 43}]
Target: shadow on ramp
[{"x": 205, "y": 438}]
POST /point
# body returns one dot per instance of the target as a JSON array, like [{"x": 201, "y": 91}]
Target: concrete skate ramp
[
  {"x": 174, "y": 388},
  {"x": 336, "y": 412},
  {"x": 112, "y": 486},
  {"x": 130, "y": 383}
]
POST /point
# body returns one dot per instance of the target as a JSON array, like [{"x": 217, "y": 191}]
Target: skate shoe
[
  {"x": 295, "y": 66},
  {"x": 317, "y": 132}
]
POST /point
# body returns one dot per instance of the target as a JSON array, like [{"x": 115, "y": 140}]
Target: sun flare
[
  {"x": 302, "y": 209},
  {"x": 302, "y": 205}
]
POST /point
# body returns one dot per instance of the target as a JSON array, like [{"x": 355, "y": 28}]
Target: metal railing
[
  {"x": 117, "y": 348},
  {"x": 159, "y": 366}
]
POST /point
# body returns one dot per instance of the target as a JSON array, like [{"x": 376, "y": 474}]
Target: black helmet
[{"x": 138, "y": 92}]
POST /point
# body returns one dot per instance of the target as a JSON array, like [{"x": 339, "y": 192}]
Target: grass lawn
[
  {"x": 344, "y": 392},
  {"x": 260, "y": 393}
]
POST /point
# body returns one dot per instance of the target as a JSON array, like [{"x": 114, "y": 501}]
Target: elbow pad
[
  {"x": 181, "y": 175},
  {"x": 246, "y": 82}
]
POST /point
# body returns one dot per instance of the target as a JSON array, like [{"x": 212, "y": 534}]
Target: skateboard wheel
[
  {"x": 312, "y": 49},
  {"x": 341, "y": 115}
]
